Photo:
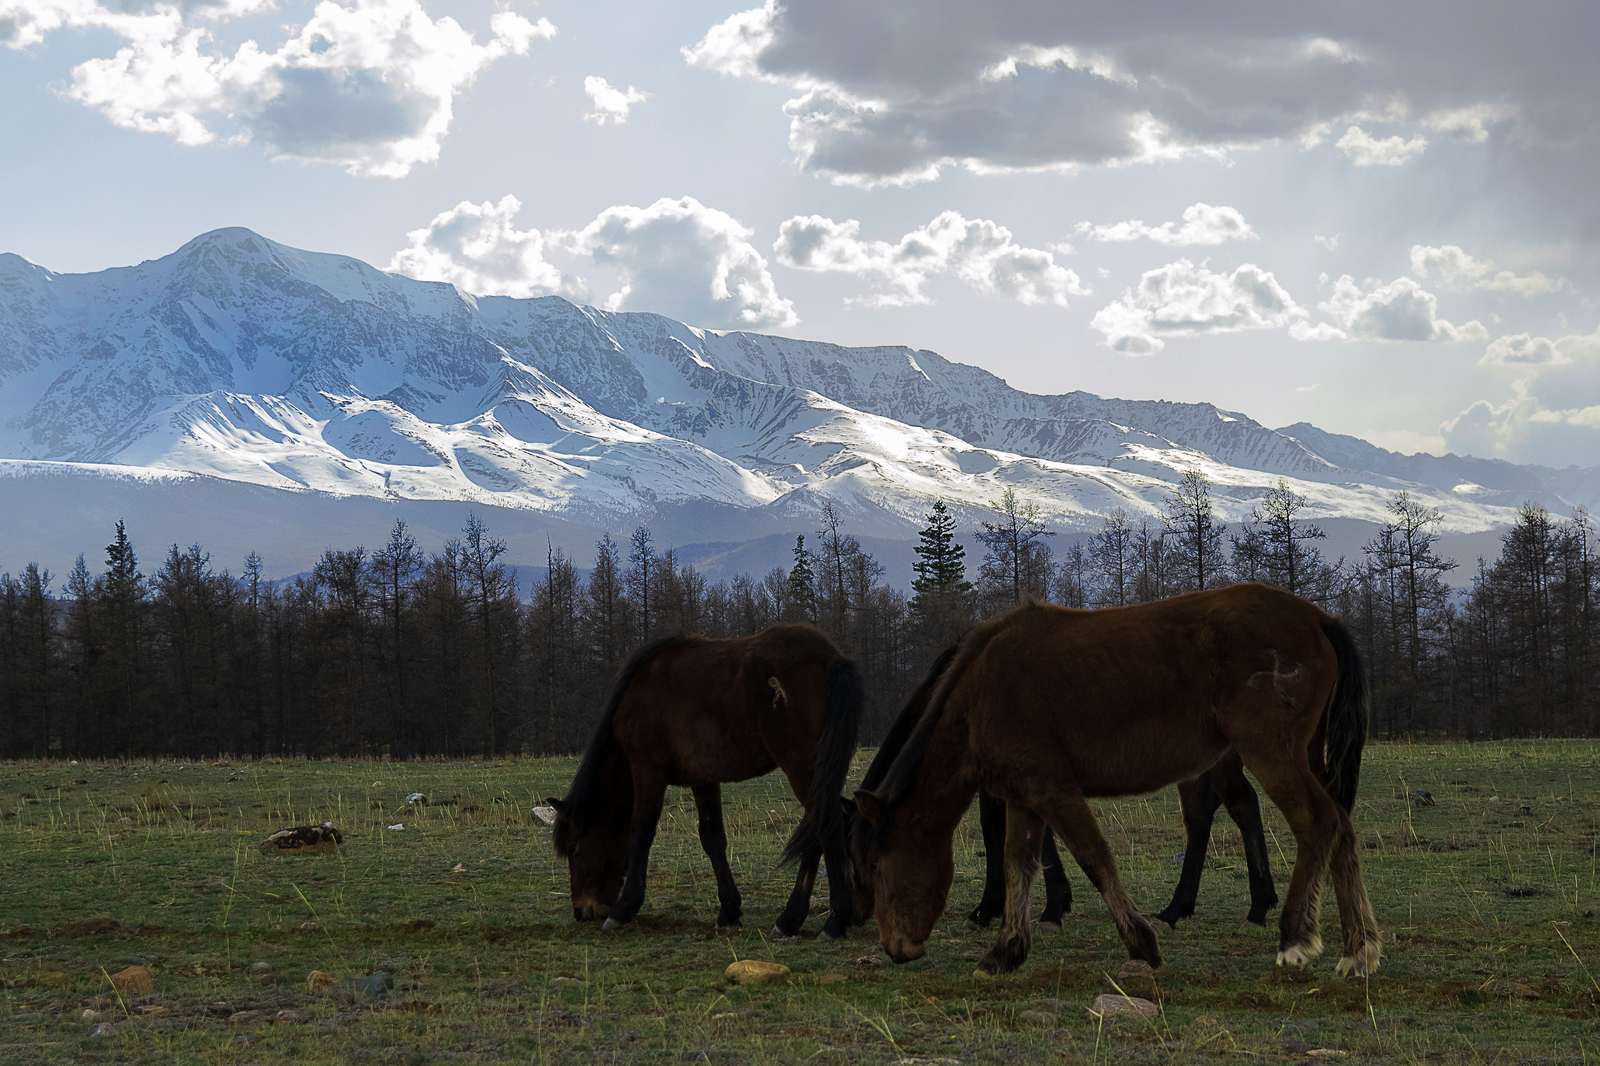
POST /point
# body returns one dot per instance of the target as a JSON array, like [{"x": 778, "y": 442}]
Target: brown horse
[
  {"x": 1047, "y": 707},
  {"x": 697, "y": 712},
  {"x": 1223, "y": 785}
]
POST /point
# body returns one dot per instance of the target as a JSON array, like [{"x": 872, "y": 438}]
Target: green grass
[{"x": 1488, "y": 901}]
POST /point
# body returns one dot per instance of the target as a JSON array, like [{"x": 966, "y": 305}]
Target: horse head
[
  {"x": 903, "y": 876},
  {"x": 596, "y": 861}
]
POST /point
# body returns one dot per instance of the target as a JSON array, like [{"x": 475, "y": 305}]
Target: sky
[{"x": 1380, "y": 219}]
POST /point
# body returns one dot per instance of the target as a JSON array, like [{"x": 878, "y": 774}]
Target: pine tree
[
  {"x": 941, "y": 593},
  {"x": 802, "y": 585}
]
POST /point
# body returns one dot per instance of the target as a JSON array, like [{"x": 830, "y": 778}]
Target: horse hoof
[
  {"x": 610, "y": 925},
  {"x": 1161, "y": 925},
  {"x": 1049, "y": 927},
  {"x": 970, "y": 926},
  {"x": 825, "y": 935}
]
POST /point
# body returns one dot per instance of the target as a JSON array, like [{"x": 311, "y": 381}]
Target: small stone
[
  {"x": 547, "y": 815},
  {"x": 318, "y": 982},
  {"x": 569, "y": 981},
  {"x": 134, "y": 979},
  {"x": 90, "y": 1014},
  {"x": 261, "y": 967},
  {"x": 1109, "y": 1005},
  {"x": 869, "y": 960},
  {"x": 379, "y": 983},
  {"x": 755, "y": 971},
  {"x": 1037, "y": 1017},
  {"x": 1052, "y": 1006},
  {"x": 101, "y": 1029},
  {"x": 286, "y": 1017}
]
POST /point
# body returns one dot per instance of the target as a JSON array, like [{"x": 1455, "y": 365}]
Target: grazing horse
[
  {"x": 1047, "y": 707},
  {"x": 696, "y": 712},
  {"x": 1224, "y": 784}
]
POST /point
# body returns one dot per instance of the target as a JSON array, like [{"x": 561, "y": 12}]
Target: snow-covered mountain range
[{"x": 243, "y": 371}]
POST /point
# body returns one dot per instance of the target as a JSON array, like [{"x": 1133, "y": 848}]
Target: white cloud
[
  {"x": 881, "y": 96},
  {"x": 1455, "y": 266},
  {"x": 1522, "y": 350},
  {"x": 1553, "y": 415},
  {"x": 681, "y": 258},
  {"x": 1365, "y": 150},
  {"x": 477, "y": 248},
  {"x": 367, "y": 85},
  {"x": 978, "y": 251},
  {"x": 1182, "y": 300},
  {"x": 1202, "y": 224},
  {"x": 1402, "y": 310},
  {"x": 610, "y": 104}
]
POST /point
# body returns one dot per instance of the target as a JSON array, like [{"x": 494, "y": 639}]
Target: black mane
[{"x": 573, "y": 821}]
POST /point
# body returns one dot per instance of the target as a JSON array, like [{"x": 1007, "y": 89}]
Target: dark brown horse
[
  {"x": 697, "y": 712},
  {"x": 1047, "y": 707},
  {"x": 1224, "y": 785}
]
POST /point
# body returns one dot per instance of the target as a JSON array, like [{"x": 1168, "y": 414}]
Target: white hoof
[
  {"x": 610, "y": 925},
  {"x": 1300, "y": 954}
]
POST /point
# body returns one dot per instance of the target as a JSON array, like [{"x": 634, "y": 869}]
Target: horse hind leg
[
  {"x": 714, "y": 839},
  {"x": 1234, "y": 790},
  {"x": 1361, "y": 938},
  {"x": 1024, "y": 835},
  {"x": 1313, "y": 816},
  {"x": 799, "y": 905}
]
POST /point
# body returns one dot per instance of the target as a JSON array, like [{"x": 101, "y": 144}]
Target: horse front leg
[
  {"x": 646, "y": 815},
  {"x": 1069, "y": 815},
  {"x": 1024, "y": 835},
  {"x": 1057, "y": 889},
  {"x": 992, "y": 822},
  {"x": 799, "y": 905},
  {"x": 1199, "y": 801},
  {"x": 714, "y": 839}
]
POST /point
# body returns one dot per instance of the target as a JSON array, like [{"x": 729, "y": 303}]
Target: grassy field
[{"x": 1488, "y": 901}]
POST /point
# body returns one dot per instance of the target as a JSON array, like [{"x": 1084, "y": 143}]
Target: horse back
[
  {"x": 1132, "y": 699},
  {"x": 709, "y": 710}
]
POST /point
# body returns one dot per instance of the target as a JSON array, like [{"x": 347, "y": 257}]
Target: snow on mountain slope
[{"x": 251, "y": 362}]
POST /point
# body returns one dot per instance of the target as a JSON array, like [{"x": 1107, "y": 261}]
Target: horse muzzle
[
  {"x": 903, "y": 950},
  {"x": 588, "y": 910}
]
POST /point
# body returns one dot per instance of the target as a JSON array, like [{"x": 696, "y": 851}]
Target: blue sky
[{"x": 1378, "y": 221}]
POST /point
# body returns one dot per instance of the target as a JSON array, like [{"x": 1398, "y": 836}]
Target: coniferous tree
[
  {"x": 802, "y": 585},
  {"x": 941, "y": 594}
]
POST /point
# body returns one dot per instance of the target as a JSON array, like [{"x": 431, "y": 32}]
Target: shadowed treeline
[{"x": 434, "y": 654}]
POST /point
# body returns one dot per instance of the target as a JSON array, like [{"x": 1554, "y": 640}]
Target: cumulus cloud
[
  {"x": 675, "y": 257},
  {"x": 1401, "y": 310},
  {"x": 1523, "y": 350},
  {"x": 368, "y": 85},
  {"x": 882, "y": 94},
  {"x": 681, "y": 258},
  {"x": 610, "y": 104},
  {"x": 978, "y": 251},
  {"x": 478, "y": 248},
  {"x": 1365, "y": 150},
  {"x": 1183, "y": 300},
  {"x": 1553, "y": 414},
  {"x": 1202, "y": 224},
  {"x": 1454, "y": 266}
]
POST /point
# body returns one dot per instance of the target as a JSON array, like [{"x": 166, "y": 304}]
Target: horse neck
[{"x": 946, "y": 783}]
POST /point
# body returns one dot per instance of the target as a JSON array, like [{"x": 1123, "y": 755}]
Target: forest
[{"x": 394, "y": 651}]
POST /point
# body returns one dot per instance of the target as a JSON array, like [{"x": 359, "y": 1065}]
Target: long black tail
[
  {"x": 577, "y": 804},
  {"x": 1347, "y": 717},
  {"x": 844, "y": 696}
]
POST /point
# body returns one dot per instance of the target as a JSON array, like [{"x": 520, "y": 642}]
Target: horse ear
[
  {"x": 551, "y": 801},
  {"x": 849, "y": 807},
  {"x": 869, "y": 805}
]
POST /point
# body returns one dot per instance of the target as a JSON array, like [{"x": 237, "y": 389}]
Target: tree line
[{"x": 400, "y": 651}]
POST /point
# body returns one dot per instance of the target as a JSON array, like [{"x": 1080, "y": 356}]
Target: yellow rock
[
  {"x": 317, "y": 981},
  {"x": 754, "y": 971},
  {"x": 135, "y": 979}
]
